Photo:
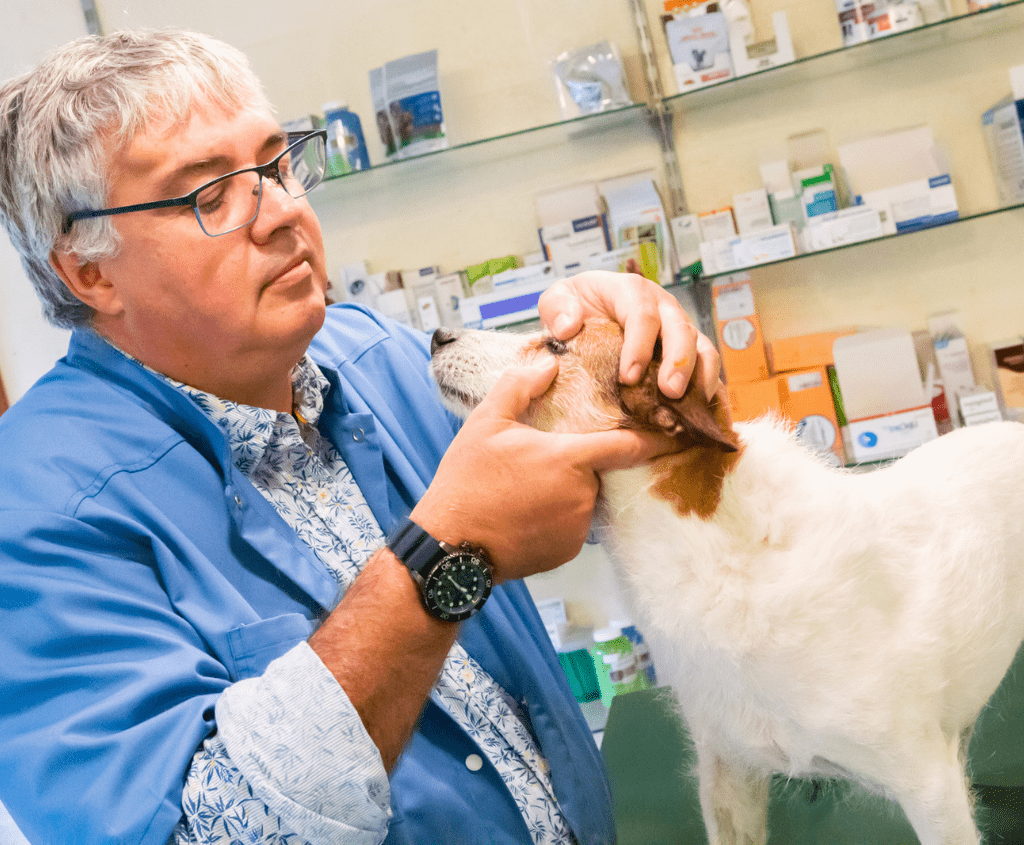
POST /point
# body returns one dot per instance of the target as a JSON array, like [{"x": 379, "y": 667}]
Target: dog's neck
[{"x": 691, "y": 480}]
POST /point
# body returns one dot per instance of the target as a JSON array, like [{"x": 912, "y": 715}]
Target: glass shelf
[
  {"x": 807, "y": 255},
  {"x": 840, "y": 60}
]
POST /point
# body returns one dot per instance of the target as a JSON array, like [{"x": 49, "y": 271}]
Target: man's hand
[
  {"x": 524, "y": 495},
  {"x": 645, "y": 311}
]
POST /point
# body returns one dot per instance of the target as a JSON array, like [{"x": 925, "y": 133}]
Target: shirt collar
[{"x": 249, "y": 429}]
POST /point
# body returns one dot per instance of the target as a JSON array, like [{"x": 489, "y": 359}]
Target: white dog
[{"x": 811, "y": 621}]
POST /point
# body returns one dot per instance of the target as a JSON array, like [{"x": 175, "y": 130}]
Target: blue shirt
[{"x": 141, "y": 575}]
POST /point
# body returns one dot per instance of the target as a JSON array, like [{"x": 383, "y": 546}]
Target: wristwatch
[{"x": 453, "y": 582}]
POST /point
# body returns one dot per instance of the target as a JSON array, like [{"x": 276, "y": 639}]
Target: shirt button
[
  {"x": 238, "y": 501},
  {"x": 358, "y": 435},
  {"x": 474, "y": 762}
]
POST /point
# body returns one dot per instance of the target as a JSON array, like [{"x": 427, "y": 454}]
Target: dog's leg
[
  {"x": 938, "y": 803},
  {"x": 733, "y": 800}
]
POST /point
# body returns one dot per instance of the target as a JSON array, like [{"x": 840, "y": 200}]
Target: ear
[
  {"x": 692, "y": 420},
  {"x": 86, "y": 281}
]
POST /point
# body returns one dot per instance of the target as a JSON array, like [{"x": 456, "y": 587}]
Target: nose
[{"x": 442, "y": 337}]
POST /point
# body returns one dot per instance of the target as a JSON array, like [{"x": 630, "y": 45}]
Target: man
[{"x": 207, "y": 637}]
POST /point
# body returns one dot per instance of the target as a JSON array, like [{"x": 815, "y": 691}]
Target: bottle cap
[{"x": 603, "y": 635}]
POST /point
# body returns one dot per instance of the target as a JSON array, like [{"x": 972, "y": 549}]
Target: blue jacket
[{"x": 141, "y": 574}]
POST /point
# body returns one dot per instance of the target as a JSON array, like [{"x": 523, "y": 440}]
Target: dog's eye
[{"x": 555, "y": 346}]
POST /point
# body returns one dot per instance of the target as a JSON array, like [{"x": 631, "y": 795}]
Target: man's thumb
[{"x": 518, "y": 386}]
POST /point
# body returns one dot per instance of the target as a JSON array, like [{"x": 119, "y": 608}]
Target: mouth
[{"x": 298, "y": 271}]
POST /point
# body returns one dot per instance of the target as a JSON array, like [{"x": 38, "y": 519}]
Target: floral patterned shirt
[{"x": 264, "y": 753}]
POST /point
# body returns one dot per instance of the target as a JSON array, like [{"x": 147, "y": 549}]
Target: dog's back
[
  {"x": 821, "y": 621},
  {"x": 810, "y": 620}
]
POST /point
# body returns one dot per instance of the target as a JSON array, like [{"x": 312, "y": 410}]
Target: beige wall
[{"x": 462, "y": 207}]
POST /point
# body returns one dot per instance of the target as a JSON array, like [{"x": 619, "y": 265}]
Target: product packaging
[
  {"x": 686, "y": 237},
  {"x": 572, "y": 226},
  {"x": 741, "y": 342},
  {"x": 589, "y": 80},
  {"x": 884, "y": 399},
  {"x": 346, "y": 146},
  {"x": 616, "y": 664},
  {"x": 379, "y": 97},
  {"x": 1003, "y": 127},
  {"x": 637, "y": 219},
  {"x": 699, "y": 46},
  {"x": 408, "y": 94},
  {"x": 1008, "y": 365},
  {"x": 750, "y": 57},
  {"x": 952, "y": 356}
]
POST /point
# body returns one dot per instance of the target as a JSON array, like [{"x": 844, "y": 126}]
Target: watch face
[{"x": 458, "y": 586}]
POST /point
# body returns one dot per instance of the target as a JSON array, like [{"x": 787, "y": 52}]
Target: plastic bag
[{"x": 589, "y": 80}]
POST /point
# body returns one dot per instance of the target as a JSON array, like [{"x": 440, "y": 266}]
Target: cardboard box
[
  {"x": 804, "y": 398},
  {"x": 805, "y": 352},
  {"x": 741, "y": 343},
  {"x": 749, "y": 400},
  {"x": 699, "y": 45},
  {"x": 1008, "y": 363}
]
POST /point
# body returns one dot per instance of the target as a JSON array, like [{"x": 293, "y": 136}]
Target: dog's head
[{"x": 586, "y": 395}]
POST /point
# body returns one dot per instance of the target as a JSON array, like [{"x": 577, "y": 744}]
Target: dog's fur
[{"x": 810, "y": 621}]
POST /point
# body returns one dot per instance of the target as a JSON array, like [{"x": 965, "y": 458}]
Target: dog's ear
[{"x": 692, "y": 420}]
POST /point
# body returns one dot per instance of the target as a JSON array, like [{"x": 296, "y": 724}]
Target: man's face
[{"x": 230, "y": 314}]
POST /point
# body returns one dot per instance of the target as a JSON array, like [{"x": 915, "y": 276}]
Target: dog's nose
[{"x": 442, "y": 337}]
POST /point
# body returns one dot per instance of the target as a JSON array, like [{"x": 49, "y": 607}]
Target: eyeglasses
[{"x": 232, "y": 201}]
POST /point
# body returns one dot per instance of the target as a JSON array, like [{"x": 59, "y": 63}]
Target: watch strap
[{"x": 414, "y": 546}]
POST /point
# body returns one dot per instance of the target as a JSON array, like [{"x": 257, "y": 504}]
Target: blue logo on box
[{"x": 868, "y": 439}]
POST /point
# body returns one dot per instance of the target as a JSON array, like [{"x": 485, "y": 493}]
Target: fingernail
[
  {"x": 561, "y": 326},
  {"x": 677, "y": 383},
  {"x": 633, "y": 374}
]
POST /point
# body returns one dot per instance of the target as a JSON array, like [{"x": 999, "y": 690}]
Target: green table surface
[{"x": 650, "y": 766}]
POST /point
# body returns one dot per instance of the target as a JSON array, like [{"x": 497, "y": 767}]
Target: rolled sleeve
[{"x": 298, "y": 741}]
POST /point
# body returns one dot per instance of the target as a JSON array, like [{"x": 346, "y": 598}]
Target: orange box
[
  {"x": 806, "y": 351},
  {"x": 750, "y": 399},
  {"x": 740, "y": 341},
  {"x": 804, "y": 398}
]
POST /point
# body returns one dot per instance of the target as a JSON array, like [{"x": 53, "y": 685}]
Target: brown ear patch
[{"x": 692, "y": 478}]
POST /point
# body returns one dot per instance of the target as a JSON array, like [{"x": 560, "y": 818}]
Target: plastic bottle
[
  {"x": 644, "y": 663},
  {"x": 616, "y": 664},
  {"x": 578, "y": 665},
  {"x": 346, "y": 146}
]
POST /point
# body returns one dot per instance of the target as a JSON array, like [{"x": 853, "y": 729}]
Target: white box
[
  {"x": 686, "y": 238},
  {"x": 569, "y": 243},
  {"x": 979, "y": 406},
  {"x": 749, "y": 58},
  {"x": 450, "y": 294},
  {"x": 914, "y": 205},
  {"x": 524, "y": 275},
  {"x": 891, "y": 435},
  {"x": 1003, "y": 128},
  {"x": 752, "y": 211},
  {"x": 728, "y": 254},
  {"x": 716, "y": 224},
  {"x": 699, "y": 45},
  {"x": 848, "y": 226}
]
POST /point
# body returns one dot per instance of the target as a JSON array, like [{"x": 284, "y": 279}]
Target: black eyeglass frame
[{"x": 265, "y": 171}]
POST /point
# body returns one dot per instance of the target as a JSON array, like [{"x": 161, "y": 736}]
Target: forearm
[{"x": 385, "y": 651}]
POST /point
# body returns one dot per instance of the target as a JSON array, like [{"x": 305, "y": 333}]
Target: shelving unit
[{"x": 422, "y": 206}]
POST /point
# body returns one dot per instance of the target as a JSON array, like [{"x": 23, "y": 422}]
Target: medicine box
[
  {"x": 804, "y": 398},
  {"x": 569, "y": 243},
  {"x": 741, "y": 343},
  {"x": 716, "y": 224},
  {"x": 807, "y": 351},
  {"x": 699, "y": 46},
  {"x": 914, "y": 205},
  {"x": 753, "y": 214},
  {"x": 1008, "y": 363}
]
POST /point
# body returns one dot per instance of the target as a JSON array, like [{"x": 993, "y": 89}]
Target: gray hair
[{"x": 60, "y": 123}]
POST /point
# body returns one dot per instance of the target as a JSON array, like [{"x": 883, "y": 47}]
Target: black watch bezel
[{"x": 434, "y": 565}]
